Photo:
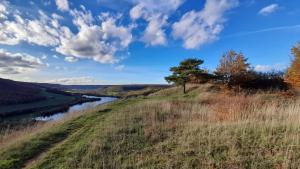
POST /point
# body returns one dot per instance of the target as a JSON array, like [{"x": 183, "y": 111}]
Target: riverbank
[
  {"x": 41, "y": 108},
  {"x": 16, "y": 120},
  {"x": 77, "y": 108},
  {"x": 204, "y": 128}
]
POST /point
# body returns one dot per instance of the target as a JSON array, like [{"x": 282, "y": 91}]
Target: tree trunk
[{"x": 184, "y": 91}]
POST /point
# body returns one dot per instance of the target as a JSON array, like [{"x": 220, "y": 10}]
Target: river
[{"x": 76, "y": 108}]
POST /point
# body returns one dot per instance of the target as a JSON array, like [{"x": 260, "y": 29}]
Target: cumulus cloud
[
  {"x": 99, "y": 42},
  {"x": 156, "y": 16},
  {"x": 62, "y": 5},
  {"x": 154, "y": 34},
  {"x": 84, "y": 80},
  {"x": 270, "y": 68},
  {"x": 16, "y": 63},
  {"x": 269, "y": 9},
  {"x": 197, "y": 28},
  {"x": 41, "y": 31}
]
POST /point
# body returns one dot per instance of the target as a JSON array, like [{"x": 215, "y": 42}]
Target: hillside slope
[
  {"x": 22, "y": 98},
  {"x": 202, "y": 129},
  {"x": 109, "y": 90},
  {"x": 12, "y": 92}
]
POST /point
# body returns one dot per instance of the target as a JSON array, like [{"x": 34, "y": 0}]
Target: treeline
[{"x": 236, "y": 73}]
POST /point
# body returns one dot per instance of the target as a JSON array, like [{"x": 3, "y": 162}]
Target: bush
[{"x": 264, "y": 81}]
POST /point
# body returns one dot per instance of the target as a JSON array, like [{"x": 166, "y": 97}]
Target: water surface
[{"x": 76, "y": 108}]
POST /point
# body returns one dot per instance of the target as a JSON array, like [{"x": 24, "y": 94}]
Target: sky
[{"x": 137, "y": 41}]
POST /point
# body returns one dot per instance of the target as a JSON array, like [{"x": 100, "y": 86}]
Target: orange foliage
[{"x": 293, "y": 73}]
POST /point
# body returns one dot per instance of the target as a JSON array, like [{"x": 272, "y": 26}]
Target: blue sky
[{"x": 136, "y": 41}]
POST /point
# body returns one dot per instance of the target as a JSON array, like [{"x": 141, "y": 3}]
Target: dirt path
[
  {"x": 42, "y": 155},
  {"x": 74, "y": 134}
]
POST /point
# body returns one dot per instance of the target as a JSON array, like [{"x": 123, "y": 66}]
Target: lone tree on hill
[
  {"x": 233, "y": 68},
  {"x": 184, "y": 73},
  {"x": 293, "y": 73}
]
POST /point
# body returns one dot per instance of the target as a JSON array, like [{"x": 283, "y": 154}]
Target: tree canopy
[
  {"x": 232, "y": 67},
  {"x": 184, "y": 73},
  {"x": 293, "y": 73}
]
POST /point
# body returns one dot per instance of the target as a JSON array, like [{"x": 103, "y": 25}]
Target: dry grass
[{"x": 217, "y": 129}]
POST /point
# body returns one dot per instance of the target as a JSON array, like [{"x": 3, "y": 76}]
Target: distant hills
[
  {"x": 126, "y": 87},
  {"x": 20, "y": 98},
  {"x": 14, "y": 92}
]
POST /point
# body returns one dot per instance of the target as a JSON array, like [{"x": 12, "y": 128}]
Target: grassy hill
[
  {"x": 206, "y": 128},
  {"x": 12, "y": 92},
  {"x": 110, "y": 90},
  {"x": 50, "y": 101},
  {"x": 22, "y": 98},
  {"x": 125, "y": 90}
]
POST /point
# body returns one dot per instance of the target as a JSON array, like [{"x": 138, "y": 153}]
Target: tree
[
  {"x": 293, "y": 73},
  {"x": 233, "y": 68},
  {"x": 183, "y": 73}
]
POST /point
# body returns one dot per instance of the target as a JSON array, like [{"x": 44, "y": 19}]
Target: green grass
[
  {"x": 16, "y": 155},
  {"x": 167, "y": 129},
  {"x": 125, "y": 91},
  {"x": 77, "y": 130}
]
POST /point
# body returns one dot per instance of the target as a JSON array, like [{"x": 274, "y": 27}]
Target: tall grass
[{"x": 216, "y": 130}]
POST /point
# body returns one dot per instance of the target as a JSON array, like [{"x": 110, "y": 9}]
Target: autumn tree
[
  {"x": 233, "y": 68},
  {"x": 293, "y": 73},
  {"x": 185, "y": 72}
]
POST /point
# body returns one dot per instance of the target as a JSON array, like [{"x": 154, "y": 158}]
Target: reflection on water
[{"x": 76, "y": 108}]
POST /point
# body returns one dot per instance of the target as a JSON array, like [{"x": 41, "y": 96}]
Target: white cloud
[
  {"x": 148, "y": 8},
  {"x": 3, "y": 10},
  {"x": 38, "y": 31},
  {"x": 70, "y": 59},
  {"x": 156, "y": 16},
  {"x": 62, "y": 5},
  {"x": 202, "y": 27},
  {"x": 270, "y": 68},
  {"x": 84, "y": 80},
  {"x": 154, "y": 34},
  {"x": 17, "y": 63},
  {"x": 271, "y": 29},
  {"x": 97, "y": 42},
  {"x": 269, "y": 9}
]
